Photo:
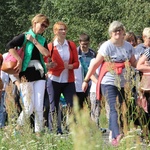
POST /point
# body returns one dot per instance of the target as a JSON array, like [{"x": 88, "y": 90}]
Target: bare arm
[
  {"x": 41, "y": 48},
  {"x": 96, "y": 63},
  {"x": 15, "y": 79},
  {"x": 133, "y": 61},
  {"x": 141, "y": 65},
  {"x": 94, "y": 79}
]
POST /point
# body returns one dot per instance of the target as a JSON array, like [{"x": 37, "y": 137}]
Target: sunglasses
[{"x": 44, "y": 25}]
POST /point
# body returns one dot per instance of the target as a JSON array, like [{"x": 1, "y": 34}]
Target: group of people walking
[
  {"x": 48, "y": 71},
  {"x": 115, "y": 56},
  {"x": 59, "y": 67}
]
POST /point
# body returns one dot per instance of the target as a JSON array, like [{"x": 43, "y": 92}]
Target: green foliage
[
  {"x": 136, "y": 17},
  {"x": 15, "y": 18},
  {"x": 92, "y": 17},
  {"x": 84, "y": 134}
]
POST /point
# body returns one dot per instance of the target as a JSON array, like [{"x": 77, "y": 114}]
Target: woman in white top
[{"x": 61, "y": 76}]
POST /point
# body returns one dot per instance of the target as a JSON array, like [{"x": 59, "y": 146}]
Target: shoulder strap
[
  {"x": 69, "y": 45},
  {"x": 24, "y": 43},
  {"x": 80, "y": 52},
  {"x": 51, "y": 48}
]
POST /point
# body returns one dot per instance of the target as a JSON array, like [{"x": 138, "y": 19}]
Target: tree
[
  {"x": 92, "y": 17},
  {"x": 15, "y": 18}
]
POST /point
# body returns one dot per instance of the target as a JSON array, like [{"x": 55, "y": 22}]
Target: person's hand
[
  {"x": 17, "y": 83},
  {"x": 147, "y": 63},
  {"x": 29, "y": 37},
  {"x": 18, "y": 67},
  {"x": 66, "y": 65},
  {"x": 84, "y": 86},
  {"x": 51, "y": 65}
]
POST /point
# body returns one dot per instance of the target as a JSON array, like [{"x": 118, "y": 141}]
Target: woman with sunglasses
[
  {"x": 113, "y": 56},
  {"x": 32, "y": 69}
]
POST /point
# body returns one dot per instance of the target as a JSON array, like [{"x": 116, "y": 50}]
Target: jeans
[
  {"x": 68, "y": 90},
  {"x": 95, "y": 108},
  {"x": 111, "y": 92},
  {"x": 46, "y": 108},
  {"x": 2, "y": 110},
  {"x": 50, "y": 92}
]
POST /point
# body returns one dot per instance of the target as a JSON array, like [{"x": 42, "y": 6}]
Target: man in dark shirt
[{"x": 85, "y": 54}]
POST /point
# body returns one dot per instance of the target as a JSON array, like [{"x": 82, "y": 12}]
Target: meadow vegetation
[{"x": 83, "y": 133}]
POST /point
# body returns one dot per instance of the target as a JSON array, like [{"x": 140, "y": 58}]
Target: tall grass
[{"x": 83, "y": 132}]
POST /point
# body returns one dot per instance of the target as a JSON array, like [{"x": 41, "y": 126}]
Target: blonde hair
[
  {"x": 57, "y": 24},
  {"x": 115, "y": 25},
  {"x": 40, "y": 18},
  {"x": 146, "y": 32}
]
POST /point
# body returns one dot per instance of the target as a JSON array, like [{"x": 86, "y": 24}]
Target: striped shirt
[{"x": 147, "y": 53}]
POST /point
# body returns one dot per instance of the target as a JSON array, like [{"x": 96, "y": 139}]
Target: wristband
[
  {"x": 86, "y": 80},
  {"x": 34, "y": 41}
]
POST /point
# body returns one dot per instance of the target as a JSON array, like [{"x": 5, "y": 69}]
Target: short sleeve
[
  {"x": 103, "y": 49},
  {"x": 147, "y": 53}
]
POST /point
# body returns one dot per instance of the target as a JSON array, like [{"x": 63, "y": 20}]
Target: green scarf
[{"x": 29, "y": 48}]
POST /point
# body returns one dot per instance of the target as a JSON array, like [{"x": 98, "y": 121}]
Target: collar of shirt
[{"x": 57, "y": 44}]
